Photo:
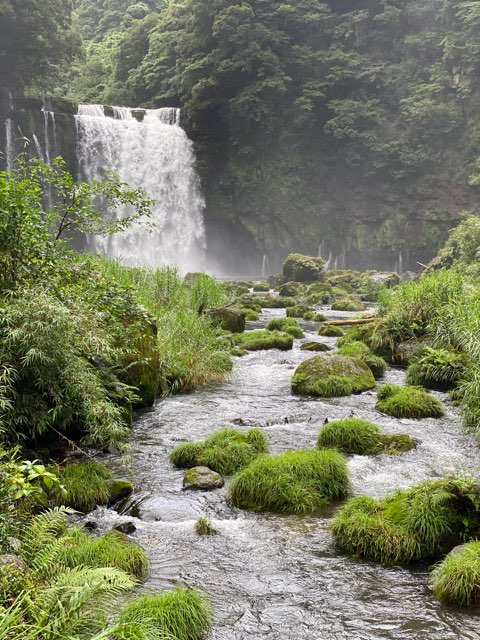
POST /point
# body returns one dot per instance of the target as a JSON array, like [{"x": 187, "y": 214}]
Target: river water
[{"x": 279, "y": 577}]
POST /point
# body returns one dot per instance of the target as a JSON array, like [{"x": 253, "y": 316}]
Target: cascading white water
[
  {"x": 152, "y": 153},
  {"x": 10, "y": 143},
  {"x": 265, "y": 267},
  {"x": 50, "y": 135}
]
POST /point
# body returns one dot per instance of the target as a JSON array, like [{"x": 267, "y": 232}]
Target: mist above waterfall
[{"x": 154, "y": 154}]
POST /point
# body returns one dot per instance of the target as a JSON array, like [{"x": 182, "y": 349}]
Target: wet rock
[
  {"x": 162, "y": 509},
  {"x": 329, "y": 376},
  {"x": 119, "y": 488},
  {"x": 11, "y": 560},
  {"x": 15, "y": 544},
  {"x": 126, "y": 527},
  {"x": 229, "y": 319},
  {"x": 91, "y": 525},
  {"x": 315, "y": 346},
  {"x": 202, "y": 479}
]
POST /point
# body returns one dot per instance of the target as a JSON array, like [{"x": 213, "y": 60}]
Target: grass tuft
[
  {"x": 408, "y": 402},
  {"x": 263, "y": 340},
  {"x": 84, "y": 483},
  {"x": 292, "y": 482},
  {"x": 204, "y": 526},
  {"x": 457, "y": 578},
  {"x": 288, "y": 325}
]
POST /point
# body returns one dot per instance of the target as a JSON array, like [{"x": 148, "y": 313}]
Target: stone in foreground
[{"x": 202, "y": 479}]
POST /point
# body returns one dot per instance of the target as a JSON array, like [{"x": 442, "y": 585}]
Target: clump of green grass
[
  {"x": 437, "y": 369},
  {"x": 292, "y": 482},
  {"x": 225, "y": 452},
  {"x": 309, "y": 315},
  {"x": 320, "y": 317},
  {"x": 330, "y": 331},
  {"x": 356, "y": 436},
  {"x": 348, "y": 304},
  {"x": 330, "y": 376},
  {"x": 182, "y": 614},
  {"x": 297, "y": 311},
  {"x": 204, "y": 526},
  {"x": 415, "y": 524},
  {"x": 250, "y": 314},
  {"x": 457, "y": 578},
  {"x": 408, "y": 402},
  {"x": 358, "y": 349},
  {"x": 275, "y": 302},
  {"x": 262, "y": 340},
  {"x": 113, "y": 549},
  {"x": 287, "y": 325},
  {"x": 84, "y": 483}
]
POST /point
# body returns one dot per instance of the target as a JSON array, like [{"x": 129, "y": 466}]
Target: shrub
[
  {"x": 225, "y": 452},
  {"x": 250, "y": 315},
  {"x": 320, "y": 317},
  {"x": 288, "y": 325},
  {"x": 330, "y": 331},
  {"x": 408, "y": 402},
  {"x": 457, "y": 578},
  {"x": 348, "y": 304},
  {"x": 309, "y": 315},
  {"x": 84, "y": 483},
  {"x": 204, "y": 526},
  {"x": 292, "y": 482},
  {"x": 415, "y": 524},
  {"x": 330, "y": 376},
  {"x": 262, "y": 340},
  {"x": 437, "y": 369},
  {"x": 183, "y": 613},
  {"x": 297, "y": 311}
]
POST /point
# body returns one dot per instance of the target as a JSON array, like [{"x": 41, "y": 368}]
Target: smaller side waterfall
[
  {"x": 50, "y": 135},
  {"x": 265, "y": 267},
  {"x": 10, "y": 143}
]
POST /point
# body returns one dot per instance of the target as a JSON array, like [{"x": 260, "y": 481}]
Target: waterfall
[
  {"x": 265, "y": 267},
  {"x": 50, "y": 135},
  {"x": 10, "y": 143},
  {"x": 152, "y": 153}
]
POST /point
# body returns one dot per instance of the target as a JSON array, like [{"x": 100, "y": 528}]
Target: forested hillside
[{"x": 349, "y": 123}]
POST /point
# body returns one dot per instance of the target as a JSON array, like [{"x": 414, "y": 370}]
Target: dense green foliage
[
  {"x": 415, "y": 524},
  {"x": 83, "y": 485},
  {"x": 292, "y": 482},
  {"x": 357, "y": 436},
  {"x": 225, "y": 452}
]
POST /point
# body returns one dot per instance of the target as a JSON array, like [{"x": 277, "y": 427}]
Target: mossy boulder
[
  {"x": 300, "y": 268},
  {"x": 408, "y": 402},
  {"x": 330, "y": 331},
  {"x": 328, "y": 376},
  {"x": 423, "y": 522},
  {"x": 456, "y": 579},
  {"x": 315, "y": 346},
  {"x": 361, "y": 437},
  {"x": 407, "y": 351},
  {"x": 289, "y": 289},
  {"x": 358, "y": 349},
  {"x": 348, "y": 304},
  {"x": 119, "y": 488},
  {"x": 288, "y": 325},
  {"x": 225, "y": 452},
  {"x": 275, "y": 302},
  {"x": 345, "y": 278},
  {"x": 261, "y": 287},
  {"x": 297, "y": 311},
  {"x": 202, "y": 479},
  {"x": 292, "y": 482},
  {"x": 228, "y": 318},
  {"x": 263, "y": 340}
]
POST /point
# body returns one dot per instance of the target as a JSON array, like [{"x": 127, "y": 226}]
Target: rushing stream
[{"x": 280, "y": 577}]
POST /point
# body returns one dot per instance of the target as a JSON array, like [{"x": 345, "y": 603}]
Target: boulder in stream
[
  {"x": 228, "y": 318},
  {"x": 300, "y": 268},
  {"x": 329, "y": 376},
  {"x": 119, "y": 488},
  {"x": 202, "y": 479}
]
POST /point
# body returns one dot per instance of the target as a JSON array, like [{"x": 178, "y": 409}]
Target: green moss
[
  {"x": 289, "y": 289},
  {"x": 320, "y": 317},
  {"x": 315, "y": 346},
  {"x": 119, "y": 488},
  {"x": 457, "y": 578},
  {"x": 416, "y": 524},
  {"x": 225, "y": 452},
  {"x": 250, "y": 315},
  {"x": 262, "y": 287},
  {"x": 408, "y": 402},
  {"x": 356, "y": 436},
  {"x": 357, "y": 349},
  {"x": 85, "y": 483},
  {"x": 275, "y": 302},
  {"x": 300, "y": 268},
  {"x": 297, "y": 311},
  {"x": 228, "y": 318},
  {"x": 204, "y": 526},
  {"x": 330, "y": 376},
  {"x": 183, "y": 614},
  {"x": 288, "y": 325},
  {"x": 309, "y": 315},
  {"x": 292, "y": 482},
  {"x": 437, "y": 369},
  {"x": 330, "y": 331},
  {"x": 262, "y": 340},
  {"x": 348, "y": 304}
]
